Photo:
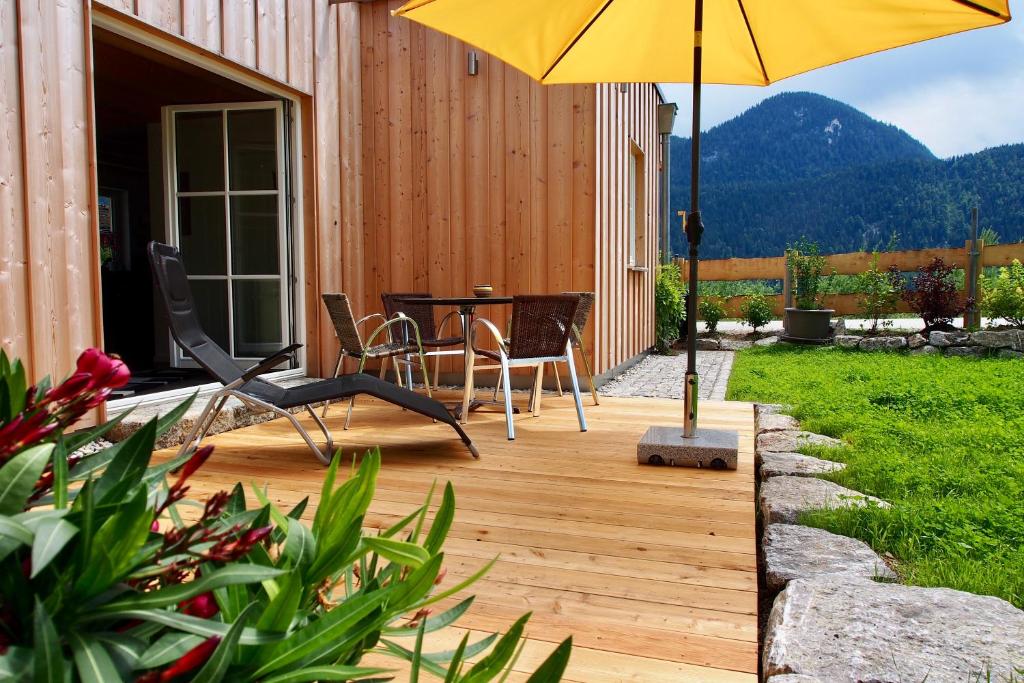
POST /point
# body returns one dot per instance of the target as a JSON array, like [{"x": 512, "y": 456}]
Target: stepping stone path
[
  {"x": 835, "y": 628},
  {"x": 800, "y": 552},
  {"x": 782, "y": 499},
  {"x": 775, "y": 422},
  {"x": 796, "y": 465},
  {"x": 662, "y": 376}
]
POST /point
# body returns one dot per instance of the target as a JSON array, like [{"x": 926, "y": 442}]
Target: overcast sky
[{"x": 957, "y": 94}]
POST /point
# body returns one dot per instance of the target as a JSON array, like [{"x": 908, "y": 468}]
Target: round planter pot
[{"x": 808, "y": 326}]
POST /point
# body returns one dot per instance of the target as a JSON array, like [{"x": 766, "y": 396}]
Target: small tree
[
  {"x": 1004, "y": 295},
  {"x": 878, "y": 293},
  {"x": 932, "y": 294},
  {"x": 806, "y": 268},
  {"x": 711, "y": 312},
  {"x": 756, "y": 310},
  {"x": 669, "y": 304}
]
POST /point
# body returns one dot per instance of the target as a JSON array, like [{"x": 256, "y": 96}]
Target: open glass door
[{"x": 228, "y": 214}]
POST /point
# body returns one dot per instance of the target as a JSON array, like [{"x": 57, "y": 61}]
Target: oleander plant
[{"x": 110, "y": 571}]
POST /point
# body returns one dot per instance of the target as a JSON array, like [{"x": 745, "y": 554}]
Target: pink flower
[
  {"x": 191, "y": 660},
  {"x": 203, "y": 606},
  {"x": 108, "y": 372}
]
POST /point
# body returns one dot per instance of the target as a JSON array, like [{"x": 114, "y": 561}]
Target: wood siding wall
[
  {"x": 49, "y": 277},
  {"x": 624, "y": 313},
  {"x": 467, "y": 179},
  {"x": 270, "y": 37}
]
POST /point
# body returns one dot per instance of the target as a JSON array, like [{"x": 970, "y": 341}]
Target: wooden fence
[{"x": 774, "y": 268}]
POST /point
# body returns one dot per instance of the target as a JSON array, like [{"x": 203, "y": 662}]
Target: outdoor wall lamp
[{"x": 473, "y": 63}]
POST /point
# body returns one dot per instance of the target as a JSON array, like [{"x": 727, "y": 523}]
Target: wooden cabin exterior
[{"x": 399, "y": 170}]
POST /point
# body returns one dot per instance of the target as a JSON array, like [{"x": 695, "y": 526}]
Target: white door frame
[{"x": 296, "y": 203}]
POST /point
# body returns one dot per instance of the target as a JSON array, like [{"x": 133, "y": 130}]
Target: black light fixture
[{"x": 473, "y": 63}]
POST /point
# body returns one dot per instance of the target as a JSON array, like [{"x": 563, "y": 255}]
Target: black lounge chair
[{"x": 245, "y": 385}]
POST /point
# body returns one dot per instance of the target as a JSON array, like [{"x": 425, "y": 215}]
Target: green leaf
[
  {"x": 299, "y": 546},
  {"x": 15, "y": 530},
  {"x": 459, "y": 587},
  {"x": 326, "y": 673},
  {"x": 48, "y": 665},
  {"x": 417, "y": 655},
  {"x": 129, "y": 463},
  {"x": 51, "y": 537},
  {"x": 436, "y": 622},
  {"x": 442, "y": 521},
  {"x": 183, "y": 622},
  {"x": 231, "y": 600},
  {"x": 60, "y": 475},
  {"x": 554, "y": 666},
  {"x": 491, "y": 665},
  {"x": 217, "y": 665},
  {"x": 19, "y": 475},
  {"x": 123, "y": 649},
  {"x": 300, "y": 507},
  {"x": 110, "y": 554},
  {"x": 399, "y": 552},
  {"x": 169, "y": 648},
  {"x": 418, "y": 583},
  {"x": 16, "y": 664},
  {"x": 92, "y": 661},
  {"x": 402, "y": 523},
  {"x": 278, "y": 614},
  {"x": 172, "y": 595},
  {"x": 456, "y": 665},
  {"x": 236, "y": 501}
]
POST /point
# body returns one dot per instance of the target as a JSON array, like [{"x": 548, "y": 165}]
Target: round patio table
[{"x": 467, "y": 311}]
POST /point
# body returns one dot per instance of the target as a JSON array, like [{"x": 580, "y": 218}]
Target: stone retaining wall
[
  {"x": 998, "y": 343},
  {"x": 837, "y": 613}
]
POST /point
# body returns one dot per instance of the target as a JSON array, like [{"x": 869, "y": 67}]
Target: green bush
[
  {"x": 878, "y": 293},
  {"x": 669, "y": 304},
  {"x": 108, "y": 572},
  {"x": 756, "y": 311},
  {"x": 806, "y": 268},
  {"x": 711, "y": 311},
  {"x": 1003, "y": 295}
]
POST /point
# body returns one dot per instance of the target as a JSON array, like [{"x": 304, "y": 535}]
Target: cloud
[{"x": 957, "y": 115}]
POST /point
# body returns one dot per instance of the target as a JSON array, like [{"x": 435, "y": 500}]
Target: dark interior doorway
[{"x": 132, "y": 85}]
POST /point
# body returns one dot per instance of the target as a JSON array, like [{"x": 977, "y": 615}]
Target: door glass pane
[
  {"x": 254, "y": 230},
  {"x": 252, "y": 145},
  {"x": 199, "y": 149},
  {"x": 211, "y": 299},
  {"x": 201, "y": 235},
  {"x": 257, "y": 306}
]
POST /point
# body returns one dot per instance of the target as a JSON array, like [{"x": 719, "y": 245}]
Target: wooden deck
[{"x": 652, "y": 570}]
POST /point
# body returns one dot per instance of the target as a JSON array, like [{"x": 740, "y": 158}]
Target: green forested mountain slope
[{"x": 800, "y": 164}]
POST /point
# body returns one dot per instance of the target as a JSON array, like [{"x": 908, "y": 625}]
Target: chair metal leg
[
  {"x": 398, "y": 371},
  {"x": 205, "y": 421},
  {"x": 558, "y": 380},
  {"x": 538, "y": 387},
  {"x": 437, "y": 372},
  {"x": 575, "y": 387},
  {"x": 467, "y": 390},
  {"x": 508, "y": 399},
  {"x": 497, "y": 388},
  {"x": 590, "y": 376},
  {"x": 337, "y": 371}
]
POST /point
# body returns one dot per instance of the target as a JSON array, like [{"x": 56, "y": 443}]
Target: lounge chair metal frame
[{"x": 245, "y": 385}]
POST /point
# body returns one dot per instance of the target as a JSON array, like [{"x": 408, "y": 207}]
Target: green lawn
[{"x": 942, "y": 439}]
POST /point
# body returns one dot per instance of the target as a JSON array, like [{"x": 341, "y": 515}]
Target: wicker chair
[
  {"x": 434, "y": 345},
  {"x": 540, "y": 333},
  {"x": 578, "y": 325},
  {"x": 351, "y": 343}
]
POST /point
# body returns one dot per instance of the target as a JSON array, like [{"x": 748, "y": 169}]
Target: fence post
[
  {"x": 972, "y": 271},
  {"x": 787, "y": 285}
]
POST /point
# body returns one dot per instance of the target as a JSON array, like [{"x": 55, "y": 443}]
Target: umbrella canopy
[
  {"x": 741, "y": 42},
  {"x": 746, "y": 42}
]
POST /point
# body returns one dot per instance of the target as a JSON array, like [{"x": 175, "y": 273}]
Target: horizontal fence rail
[{"x": 774, "y": 268}]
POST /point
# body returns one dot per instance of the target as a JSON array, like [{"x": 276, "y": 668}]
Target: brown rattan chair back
[
  {"x": 421, "y": 314},
  {"x": 541, "y": 325},
  {"x": 340, "y": 310},
  {"x": 585, "y": 307}
]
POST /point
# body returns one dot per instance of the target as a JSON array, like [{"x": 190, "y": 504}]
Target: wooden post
[
  {"x": 787, "y": 286},
  {"x": 972, "y": 271}
]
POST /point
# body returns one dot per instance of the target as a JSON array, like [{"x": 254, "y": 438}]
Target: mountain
[{"x": 799, "y": 164}]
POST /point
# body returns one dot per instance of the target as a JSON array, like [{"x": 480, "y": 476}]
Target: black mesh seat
[{"x": 245, "y": 385}]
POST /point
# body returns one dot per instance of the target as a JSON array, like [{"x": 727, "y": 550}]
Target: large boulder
[
  {"x": 883, "y": 344},
  {"x": 708, "y": 344},
  {"x": 927, "y": 350},
  {"x": 775, "y": 422},
  {"x": 794, "y": 678},
  {"x": 847, "y": 341},
  {"x": 1009, "y": 353},
  {"x": 916, "y": 341},
  {"x": 734, "y": 344},
  {"x": 767, "y": 341},
  {"x": 770, "y": 409},
  {"x": 790, "y": 440},
  {"x": 954, "y": 338},
  {"x": 795, "y": 465},
  {"x": 999, "y": 339},
  {"x": 837, "y": 628},
  {"x": 782, "y": 499},
  {"x": 793, "y": 552}
]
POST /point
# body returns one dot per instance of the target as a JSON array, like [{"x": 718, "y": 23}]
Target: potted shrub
[
  {"x": 808, "y": 321},
  {"x": 711, "y": 310}
]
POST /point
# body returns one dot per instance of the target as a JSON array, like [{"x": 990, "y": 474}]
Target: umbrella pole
[{"x": 694, "y": 228}]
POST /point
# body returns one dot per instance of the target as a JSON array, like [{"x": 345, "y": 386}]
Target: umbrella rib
[
  {"x": 575, "y": 40},
  {"x": 980, "y": 8},
  {"x": 753, "y": 41}
]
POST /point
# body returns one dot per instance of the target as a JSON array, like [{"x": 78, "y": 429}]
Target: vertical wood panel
[
  {"x": 399, "y": 153},
  {"x": 201, "y": 23},
  {"x": 272, "y": 38},
  {"x": 164, "y": 14},
  {"x": 381, "y": 159},
  {"x": 350, "y": 131},
  {"x": 238, "y": 32},
  {"x": 300, "y": 47}
]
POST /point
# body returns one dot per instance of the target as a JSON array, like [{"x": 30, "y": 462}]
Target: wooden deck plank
[{"x": 653, "y": 570}]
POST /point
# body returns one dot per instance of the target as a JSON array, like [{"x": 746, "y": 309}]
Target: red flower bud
[
  {"x": 203, "y": 606},
  {"x": 191, "y": 660},
  {"x": 194, "y": 463},
  {"x": 155, "y": 526},
  {"x": 68, "y": 389}
]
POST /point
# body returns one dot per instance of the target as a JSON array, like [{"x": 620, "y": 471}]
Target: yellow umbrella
[{"x": 743, "y": 42}]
